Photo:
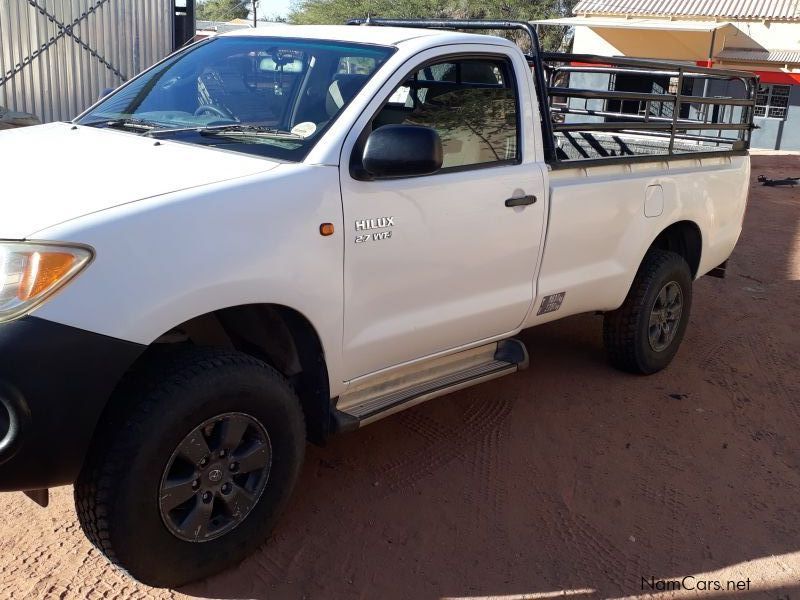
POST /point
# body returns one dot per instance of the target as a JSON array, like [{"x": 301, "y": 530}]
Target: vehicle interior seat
[
  {"x": 342, "y": 90},
  {"x": 224, "y": 87}
]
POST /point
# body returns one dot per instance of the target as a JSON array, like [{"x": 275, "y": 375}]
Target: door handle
[{"x": 521, "y": 201}]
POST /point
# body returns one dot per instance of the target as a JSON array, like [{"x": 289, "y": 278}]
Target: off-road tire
[
  {"x": 162, "y": 401},
  {"x": 625, "y": 330}
]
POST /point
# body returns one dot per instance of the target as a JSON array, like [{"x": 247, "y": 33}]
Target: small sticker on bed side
[{"x": 551, "y": 303}]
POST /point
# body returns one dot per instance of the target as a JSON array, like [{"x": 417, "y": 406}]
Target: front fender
[{"x": 254, "y": 240}]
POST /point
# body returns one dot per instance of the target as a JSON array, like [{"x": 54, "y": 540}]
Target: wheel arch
[
  {"x": 683, "y": 238},
  {"x": 279, "y": 335}
]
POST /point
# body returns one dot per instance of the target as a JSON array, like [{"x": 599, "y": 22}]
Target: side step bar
[{"x": 383, "y": 396}]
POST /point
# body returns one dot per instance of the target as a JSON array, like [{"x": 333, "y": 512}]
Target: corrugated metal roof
[
  {"x": 773, "y": 10},
  {"x": 622, "y": 23},
  {"x": 760, "y": 56}
]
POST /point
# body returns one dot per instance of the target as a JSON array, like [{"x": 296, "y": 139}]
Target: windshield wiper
[
  {"x": 248, "y": 130},
  {"x": 125, "y": 123},
  {"x": 152, "y": 129}
]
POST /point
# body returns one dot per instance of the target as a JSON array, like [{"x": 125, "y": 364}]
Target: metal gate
[{"x": 56, "y": 56}]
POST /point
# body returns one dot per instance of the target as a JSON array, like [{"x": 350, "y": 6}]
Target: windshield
[{"x": 267, "y": 96}]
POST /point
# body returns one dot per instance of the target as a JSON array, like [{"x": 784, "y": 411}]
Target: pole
[
  {"x": 706, "y": 80},
  {"x": 255, "y": 13}
]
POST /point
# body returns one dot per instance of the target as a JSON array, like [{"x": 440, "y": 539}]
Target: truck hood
[{"x": 54, "y": 173}]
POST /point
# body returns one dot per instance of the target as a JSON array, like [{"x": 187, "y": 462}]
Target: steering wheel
[{"x": 208, "y": 109}]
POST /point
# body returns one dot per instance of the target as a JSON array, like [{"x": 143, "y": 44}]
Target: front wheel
[
  {"x": 643, "y": 335},
  {"x": 193, "y": 467}
]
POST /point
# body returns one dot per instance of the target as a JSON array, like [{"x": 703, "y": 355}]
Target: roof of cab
[{"x": 387, "y": 36}]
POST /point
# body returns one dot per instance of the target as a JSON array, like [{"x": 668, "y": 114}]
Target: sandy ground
[{"x": 567, "y": 480}]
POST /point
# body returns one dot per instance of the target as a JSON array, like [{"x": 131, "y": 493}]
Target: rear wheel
[
  {"x": 644, "y": 334},
  {"x": 194, "y": 466}
]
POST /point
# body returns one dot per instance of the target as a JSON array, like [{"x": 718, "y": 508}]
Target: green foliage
[
  {"x": 339, "y": 11},
  {"x": 223, "y": 10}
]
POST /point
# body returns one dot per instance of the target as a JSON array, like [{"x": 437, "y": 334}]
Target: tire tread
[
  {"x": 620, "y": 326},
  {"x": 140, "y": 393}
]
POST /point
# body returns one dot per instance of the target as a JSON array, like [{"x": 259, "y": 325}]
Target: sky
[
  {"x": 271, "y": 8},
  {"x": 274, "y": 7}
]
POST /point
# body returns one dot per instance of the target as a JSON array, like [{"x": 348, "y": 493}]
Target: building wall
[
  {"x": 692, "y": 46},
  {"x": 57, "y": 57},
  {"x": 757, "y": 35},
  {"x": 777, "y": 134}
]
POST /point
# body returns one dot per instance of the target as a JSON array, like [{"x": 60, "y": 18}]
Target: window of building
[
  {"x": 772, "y": 100},
  {"x": 472, "y": 103}
]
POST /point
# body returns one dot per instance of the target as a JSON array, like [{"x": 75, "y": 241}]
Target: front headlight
[{"x": 32, "y": 272}]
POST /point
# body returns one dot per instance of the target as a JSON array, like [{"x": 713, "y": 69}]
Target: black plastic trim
[
  {"x": 643, "y": 158},
  {"x": 521, "y": 201},
  {"x": 19, "y": 416},
  {"x": 512, "y": 351},
  {"x": 341, "y": 422},
  {"x": 720, "y": 271},
  {"x": 41, "y": 497},
  {"x": 58, "y": 379}
]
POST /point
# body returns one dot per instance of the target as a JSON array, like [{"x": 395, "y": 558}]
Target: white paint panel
[
  {"x": 165, "y": 260},
  {"x": 62, "y": 173},
  {"x": 459, "y": 266},
  {"x": 598, "y": 234},
  {"x": 653, "y": 201}
]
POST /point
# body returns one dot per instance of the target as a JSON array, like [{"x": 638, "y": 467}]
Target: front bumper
[{"x": 54, "y": 384}]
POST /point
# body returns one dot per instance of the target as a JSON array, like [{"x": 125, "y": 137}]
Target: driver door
[{"x": 440, "y": 261}]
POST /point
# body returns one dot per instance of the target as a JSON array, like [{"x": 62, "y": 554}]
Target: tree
[
  {"x": 339, "y": 11},
  {"x": 223, "y": 10}
]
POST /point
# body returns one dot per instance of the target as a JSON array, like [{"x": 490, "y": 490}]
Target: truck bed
[
  {"x": 604, "y": 109},
  {"x": 591, "y": 145}
]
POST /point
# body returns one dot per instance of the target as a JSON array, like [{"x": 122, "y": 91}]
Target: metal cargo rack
[
  {"x": 552, "y": 68},
  {"x": 686, "y": 136}
]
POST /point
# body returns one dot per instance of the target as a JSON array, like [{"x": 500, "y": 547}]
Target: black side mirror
[
  {"x": 402, "y": 151},
  {"x": 105, "y": 92}
]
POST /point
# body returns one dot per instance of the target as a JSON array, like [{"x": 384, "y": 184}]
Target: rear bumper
[{"x": 54, "y": 384}]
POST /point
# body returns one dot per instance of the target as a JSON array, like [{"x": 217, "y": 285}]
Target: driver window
[{"x": 471, "y": 103}]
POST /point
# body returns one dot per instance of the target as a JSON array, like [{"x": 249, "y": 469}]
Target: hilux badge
[
  {"x": 365, "y": 225},
  {"x": 379, "y": 223}
]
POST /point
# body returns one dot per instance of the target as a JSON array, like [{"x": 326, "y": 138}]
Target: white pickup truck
[{"x": 280, "y": 234}]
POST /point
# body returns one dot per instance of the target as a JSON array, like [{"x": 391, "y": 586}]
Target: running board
[{"x": 408, "y": 386}]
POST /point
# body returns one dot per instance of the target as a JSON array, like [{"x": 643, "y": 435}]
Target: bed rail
[{"x": 695, "y": 110}]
